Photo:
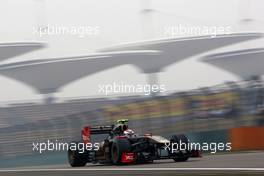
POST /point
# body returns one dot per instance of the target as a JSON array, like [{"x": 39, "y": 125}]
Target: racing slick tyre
[
  {"x": 119, "y": 146},
  {"x": 181, "y": 155},
  {"x": 77, "y": 159}
]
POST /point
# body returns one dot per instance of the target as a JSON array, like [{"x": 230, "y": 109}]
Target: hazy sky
[{"x": 121, "y": 21}]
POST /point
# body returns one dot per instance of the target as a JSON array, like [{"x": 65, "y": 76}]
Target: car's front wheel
[{"x": 119, "y": 146}]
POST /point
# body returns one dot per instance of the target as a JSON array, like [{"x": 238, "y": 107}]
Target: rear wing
[
  {"x": 100, "y": 129},
  {"x": 88, "y": 131}
]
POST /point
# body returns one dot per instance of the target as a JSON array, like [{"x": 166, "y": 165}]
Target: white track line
[{"x": 133, "y": 169}]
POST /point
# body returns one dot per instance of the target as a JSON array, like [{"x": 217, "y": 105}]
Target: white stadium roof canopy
[
  {"x": 243, "y": 63},
  {"x": 49, "y": 75},
  {"x": 9, "y": 50},
  {"x": 177, "y": 49}
]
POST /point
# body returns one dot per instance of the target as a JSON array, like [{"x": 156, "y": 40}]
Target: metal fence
[{"x": 213, "y": 108}]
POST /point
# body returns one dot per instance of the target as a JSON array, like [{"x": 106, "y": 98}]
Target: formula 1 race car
[{"x": 123, "y": 146}]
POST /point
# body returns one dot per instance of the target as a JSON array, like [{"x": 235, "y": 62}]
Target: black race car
[{"x": 123, "y": 146}]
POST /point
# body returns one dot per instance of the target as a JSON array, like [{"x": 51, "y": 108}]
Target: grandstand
[
  {"x": 213, "y": 108},
  {"x": 16, "y": 114}
]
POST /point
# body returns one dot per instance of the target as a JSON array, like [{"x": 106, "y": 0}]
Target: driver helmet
[
  {"x": 125, "y": 127},
  {"x": 129, "y": 132}
]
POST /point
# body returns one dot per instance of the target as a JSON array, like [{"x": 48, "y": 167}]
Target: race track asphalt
[{"x": 220, "y": 164}]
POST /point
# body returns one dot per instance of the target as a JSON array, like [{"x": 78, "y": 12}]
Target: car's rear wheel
[
  {"x": 119, "y": 146},
  {"x": 77, "y": 158},
  {"x": 180, "y": 155}
]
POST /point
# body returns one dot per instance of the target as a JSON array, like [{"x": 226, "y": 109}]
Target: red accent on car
[
  {"x": 121, "y": 137},
  {"x": 86, "y": 136},
  {"x": 196, "y": 153},
  {"x": 127, "y": 157}
]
